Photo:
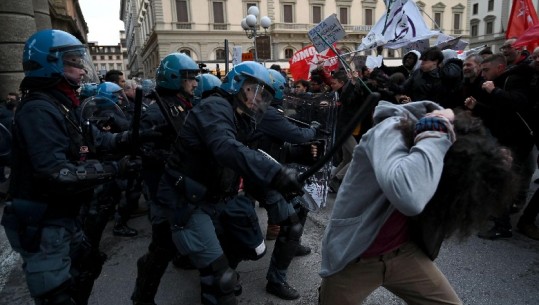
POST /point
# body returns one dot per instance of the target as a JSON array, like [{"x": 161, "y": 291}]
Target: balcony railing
[
  {"x": 307, "y": 27},
  {"x": 183, "y": 26},
  {"x": 220, "y": 27}
]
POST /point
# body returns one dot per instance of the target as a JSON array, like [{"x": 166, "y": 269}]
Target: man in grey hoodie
[{"x": 408, "y": 170}]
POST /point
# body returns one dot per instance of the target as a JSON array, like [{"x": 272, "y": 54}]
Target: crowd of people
[{"x": 448, "y": 148}]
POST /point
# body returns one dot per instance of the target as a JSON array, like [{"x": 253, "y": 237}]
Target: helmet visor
[
  {"x": 80, "y": 58},
  {"x": 258, "y": 100}
]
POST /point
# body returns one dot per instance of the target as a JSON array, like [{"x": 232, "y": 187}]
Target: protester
[
  {"x": 506, "y": 111},
  {"x": 526, "y": 223},
  {"x": 418, "y": 159}
]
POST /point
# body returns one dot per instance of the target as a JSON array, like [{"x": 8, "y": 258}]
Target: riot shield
[
  {"x": 5, "y": 141},
  {"x": 302, "y": 109},
  {"x": 102, "y": 112}
]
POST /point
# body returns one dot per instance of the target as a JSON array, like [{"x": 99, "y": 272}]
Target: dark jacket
[
  {"x": 451, "y": 84},
  {"x": 49, "y": 147},
  {"x": 507, "y": 110},
  {"x": 211, "y": 144}
]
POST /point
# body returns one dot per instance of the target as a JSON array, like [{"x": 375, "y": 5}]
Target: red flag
[
  {"x": 301, "y": 62},
  {"x": 522, "y": 17},
  {"x": 529, "y": 38}
]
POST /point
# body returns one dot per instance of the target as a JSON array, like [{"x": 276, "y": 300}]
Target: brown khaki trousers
[{"x": 407, "y": 272}]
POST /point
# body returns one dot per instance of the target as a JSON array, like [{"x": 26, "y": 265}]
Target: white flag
[{"x": 403, "y": 24}]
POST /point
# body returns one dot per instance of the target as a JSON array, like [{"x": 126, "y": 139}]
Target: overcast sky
[{"x": 103, "y": 20}]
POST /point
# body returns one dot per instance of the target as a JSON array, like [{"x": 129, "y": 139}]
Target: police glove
[
  {"x": 286, "y": 182},
  {"x": 128, "y": 167},
  {"x": 315, "y": 125}
]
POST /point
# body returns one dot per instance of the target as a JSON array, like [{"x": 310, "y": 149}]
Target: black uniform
[
  {"x": 52, "y": 176},
  {"x": 270, "y": 135},
  {"x": 200, "y": 187},
  {"x": 152, "y": 265}
]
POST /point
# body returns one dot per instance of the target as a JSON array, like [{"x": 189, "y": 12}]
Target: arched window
[
  {"x": 220, "y": 54},
  {"x": 288, "y": 53},
  {"x": 186, "y": 52}
]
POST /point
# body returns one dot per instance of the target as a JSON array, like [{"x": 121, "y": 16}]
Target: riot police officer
[
  {"x": 176, "y": 85},
  {"x": 200, "y": 184},
  {"x": 53, "y": 173},
  {"x": 272, "y": 132},
  {"x": 206, "y": 83},
  {"x": 103, "y": 110}
]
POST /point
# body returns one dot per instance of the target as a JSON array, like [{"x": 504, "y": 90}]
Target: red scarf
[{"x": 66, "y": 89}]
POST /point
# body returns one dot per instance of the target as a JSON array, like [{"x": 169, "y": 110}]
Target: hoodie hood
[
  {"x": 417, "y": 57},
  {"x": 413, "y": 110}
]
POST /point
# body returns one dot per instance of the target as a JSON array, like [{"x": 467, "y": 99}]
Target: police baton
[
  {"x": 135, "y": 124},
  {"x": 169, "y": 112},
  {"x": 301, "y": 123},
  {"x": 358, "y": 117}
]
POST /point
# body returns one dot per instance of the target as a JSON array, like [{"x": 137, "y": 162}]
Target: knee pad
[
  {"x": 291, "y": 232},
  {"x": 218, "y": 282}
]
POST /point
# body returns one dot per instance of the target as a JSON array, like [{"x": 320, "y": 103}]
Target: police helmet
[
  {"x": 278, "y": 83},
  {"x": 48, "y": 51},
  {"x": 147, "y": 86},
  {"x": 259, "y": 84},
  {"x": 87, "y": 90},
  {"x": 206, "y": 82},
  {"x": 175, "y": 68},
  {"x": 247, "y": 70},
  {"x": 109, "y": 92}
]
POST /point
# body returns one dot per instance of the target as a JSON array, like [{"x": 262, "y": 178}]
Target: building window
[
  {"x": 186, "y": 52},
  {"x": 288, "y": 16},
  {"x": 490, "y": 5},
  {"x": 118, "y": 57},
  {"x": 390, "y": 53},
  {"x": 102, "y": 57},
  {"x": 220, "y": 54},
  {"x": 475, "y": 9},
  {"x": 103, "y": 67},
  {"x": 317, "y": 14},
  {"x": 288, "y": 53},
  {"x": 218, "y": 12},
  {"x": 456, "y": 23},
  {"x": 489, "y": 27},
  {"x": 119, "y": 67},
  {"x": 111, "y": 57},
  {"x": 182, "y": 14},
  {"x": 343, "y": 15},
  {"x": 475, "y": 30},
  {"x": 93, "y": 57},
  {"x": 111, "y": 66},
  {"x": 368, "y": 17},
  {"x": 438, "y": 21}
]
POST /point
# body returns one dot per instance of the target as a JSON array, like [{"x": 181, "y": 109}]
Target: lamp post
[{"x": 249, "y": 25}]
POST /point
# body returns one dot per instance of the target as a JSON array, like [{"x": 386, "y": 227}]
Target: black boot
[
  {"x": 58, "y": 296},
  {"x": 282, "y": 290},
  {"x": 121, "y": 229},
  {"x": 150, "y": 270}
]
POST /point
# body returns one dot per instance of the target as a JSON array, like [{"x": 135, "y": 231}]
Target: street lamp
[{"x": 249, "y": 25}]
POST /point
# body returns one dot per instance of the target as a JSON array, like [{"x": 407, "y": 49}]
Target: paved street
[{"x": 504, "y": 272}]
